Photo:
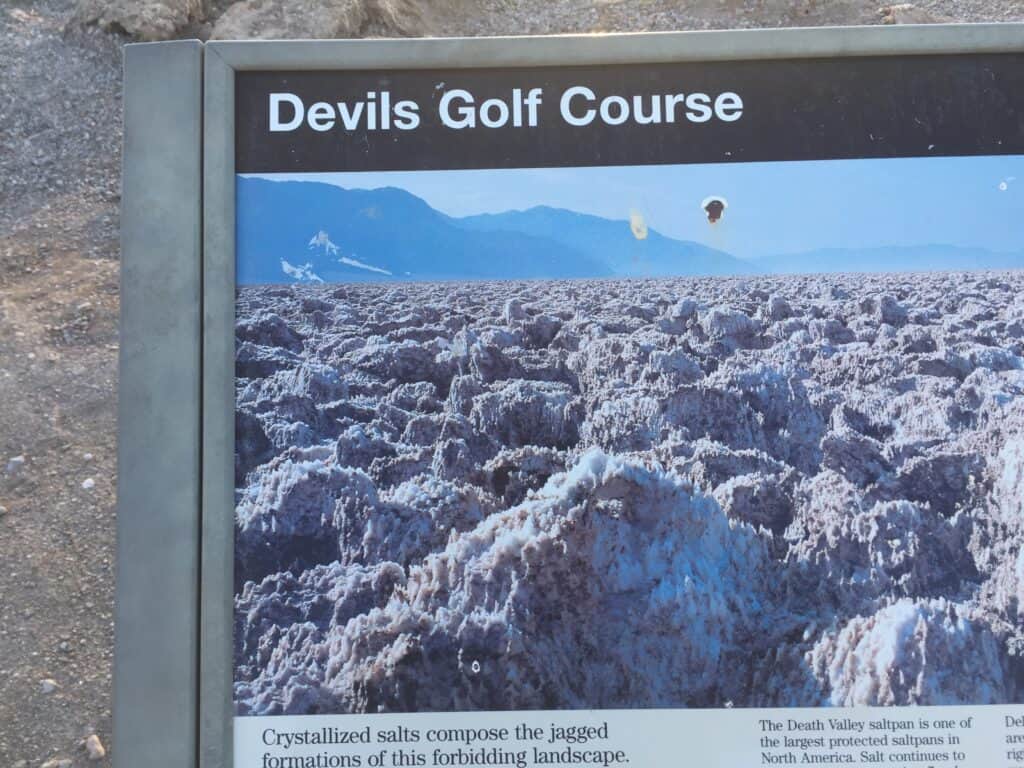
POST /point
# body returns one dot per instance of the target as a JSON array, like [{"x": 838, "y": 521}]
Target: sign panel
[
  {"x": 631, "y": 114},
  {"x": 633, "y": 414}
]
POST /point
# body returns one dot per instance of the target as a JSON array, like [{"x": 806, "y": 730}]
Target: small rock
[
  {"x": 57, "y": 762},
  {"x": 3, "y": 510},
  {"x": 684, "y": 309},
  {"x": 678, "y": 317},
  {"x": 720, "y": 323},
  {"x": 325, "y": 19},
  {"x": 49, "y": 685},
  {"x": 14, "y": 464},
  {"x": 268, "y": 19},
  {"x": 95, "y": 748},
  {"x": 891, "y": 311},
  {"x": 514, "y": 311},
  {"x": 145, "y": 20},
  {"x": 885, "y": 309},
  {"x": 778, "y": 308},
  {"x": 87, "y": 456},
  {"x": 88, "y": 484},
  {"x": 64, "y": 647},
  {"x": 908, "y": 13}
]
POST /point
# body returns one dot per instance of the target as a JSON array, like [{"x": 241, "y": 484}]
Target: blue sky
[{"x": 774, "y": 208}]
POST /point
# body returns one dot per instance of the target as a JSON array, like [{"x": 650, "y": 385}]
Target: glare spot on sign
[
  {"x": 714, "y": 206},
  {"x": 638, "y": 225},
  {"x": 1005, "y": 183}
]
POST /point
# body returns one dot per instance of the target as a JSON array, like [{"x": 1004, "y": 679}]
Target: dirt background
[{"x": 60, "y": 121}]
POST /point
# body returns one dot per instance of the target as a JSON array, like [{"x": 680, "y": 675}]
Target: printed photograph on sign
[{"x": 707, "y": 435}]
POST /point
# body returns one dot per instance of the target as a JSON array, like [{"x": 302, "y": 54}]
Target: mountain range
[
  {"x": 305, "y": 231},
  {"x": 297, "y": 230},
  {"x": 918, "y": 258}
]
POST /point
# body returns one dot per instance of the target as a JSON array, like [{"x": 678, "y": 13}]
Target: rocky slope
[{"x": 287, "y": 19}]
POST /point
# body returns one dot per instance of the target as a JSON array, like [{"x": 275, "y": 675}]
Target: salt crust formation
[{"x": 758, "y": 492}]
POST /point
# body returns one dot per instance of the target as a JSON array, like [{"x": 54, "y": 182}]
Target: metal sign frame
[{"x": 173, "y": 663}]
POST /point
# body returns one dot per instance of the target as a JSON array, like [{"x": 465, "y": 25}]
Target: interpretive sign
[{"x": 636, "y": 400}]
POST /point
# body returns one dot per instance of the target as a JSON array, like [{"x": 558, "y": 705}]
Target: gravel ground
[
  {"x": 59, "y": 168},
  {"x": 59, "y": 163}
]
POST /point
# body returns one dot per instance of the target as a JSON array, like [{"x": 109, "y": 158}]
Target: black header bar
[{"x": 742, "y": 111}]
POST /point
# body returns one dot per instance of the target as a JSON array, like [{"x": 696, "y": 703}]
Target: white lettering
[
  {"x": 566, "y": 105},
  {"x": 350, "y": 117},
  {"x": 321, "y": 116},
  {"x": 638, "y": 110},
  {"x": 407, "y": 116},
  {"x": 621, "y": 110},
  {"x": 729, "y": 107},
  {"x": 467, "y": 117},
  {"x": 490, "y": 106},
  {"x": 276, "y": 100},
  {"x": 533, "y": 101},
  {"x": 699, "y": 106}
]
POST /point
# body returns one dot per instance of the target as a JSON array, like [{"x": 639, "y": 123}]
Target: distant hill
[
  {"x": 613, "y": 244},
  {"x": 919, "y": 258},
  {"x": 304, "y": 231},
  {"x": 307, "y": 231}
]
